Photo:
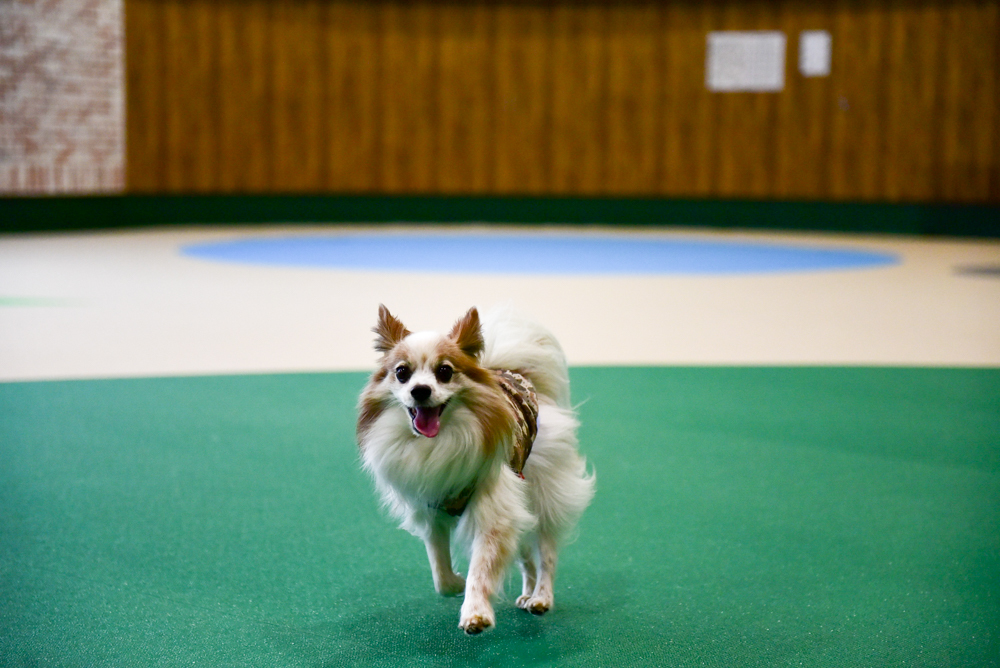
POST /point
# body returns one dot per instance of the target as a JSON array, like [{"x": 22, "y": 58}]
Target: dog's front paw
[
  {"x": 476, "y": 617},
  {"x": 475, "y": 624},
  {"x": 450, "y": 585}
]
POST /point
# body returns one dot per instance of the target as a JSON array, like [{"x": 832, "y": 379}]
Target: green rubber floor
[{"x": 744, "y": 517}]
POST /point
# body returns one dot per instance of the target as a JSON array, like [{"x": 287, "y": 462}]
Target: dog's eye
[
  {"x": 403, "y": 374},
  {"x": 444, "y": 373}
]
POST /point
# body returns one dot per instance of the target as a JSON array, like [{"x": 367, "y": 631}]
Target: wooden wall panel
[
  {"x": 558, "y": 97},
  {"x": 245, "y": 97},
  {"x": 635, "y": 82},
  {"x": 298, "y": 75},
  {"x": 191, "y": 100},
  {"x": 803, "y": 114},
  {"x": 746, "y": 120},
  {"x": 911, "y": 86},
  {"x": 856, "y": 156},
  {"x": 409, "y": 106},
  {"x": 145, "y": 158},
  {"x": 969, "y": 114},
  {"x": 233, "y": 116},
  {"x": 690, "y": 148},
  {"x": 353, "y": 103},
  {"x": 465, "y": 122},
  {"x": 578, "y": 134},
  {"x": 522, "y": 109}
]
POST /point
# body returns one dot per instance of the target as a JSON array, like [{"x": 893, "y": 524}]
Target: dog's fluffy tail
[{"x": 519, "y": 344}]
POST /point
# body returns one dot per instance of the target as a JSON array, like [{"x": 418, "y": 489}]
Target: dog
[{"x": 472, "y": 433}]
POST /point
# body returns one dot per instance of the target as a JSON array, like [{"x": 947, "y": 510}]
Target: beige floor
[{"x": 128, "y": 304}]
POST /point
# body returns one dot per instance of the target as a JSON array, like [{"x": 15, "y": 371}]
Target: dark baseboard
[{"x": 30, "y": 214}]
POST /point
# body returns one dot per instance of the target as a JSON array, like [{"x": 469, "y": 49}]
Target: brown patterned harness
[{"x": 521, "y": 397}]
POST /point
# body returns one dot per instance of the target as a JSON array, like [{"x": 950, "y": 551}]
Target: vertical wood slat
[
  {"x": 746, "y": 120},
  {"x": 690, "y": 138},
  {"x": 856, "y": 155},
  {"x": 231, "y": 102},
  {"x": 635, "y": 99},
  {"x": 411, "y": 96},
  {"x": 353, "y": 111},
  {"x": 802, "y": 114},
  {"x": 409, "y": 107},
  {"x": 179, "y": 109},
  {"x": 578, "y": 98},
  {"x": 464, "y": 121},
  {"x": 912, "y": 100},
  {"x": 994, "y": 163},
  {"x": 245, "y": 105},
  {"x": 296, "y": 122},
  {"x": 988, "y": 156},
  {"x": 969, "y": 89},
  {"x": 144, "y": 85},
  {"x": 522, "y": 146},
  {"x": 191, "y": 159}
]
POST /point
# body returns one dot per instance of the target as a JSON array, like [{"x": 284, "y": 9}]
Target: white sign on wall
[
  {"x": 745, "y": 61},
  {"x": 814, "y": 53}
]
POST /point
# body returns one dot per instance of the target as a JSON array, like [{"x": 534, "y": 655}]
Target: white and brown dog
[{"x": 472, "y": 432}]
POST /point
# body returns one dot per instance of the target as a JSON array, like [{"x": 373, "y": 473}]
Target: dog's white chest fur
[{"x": 425, "y": 470}]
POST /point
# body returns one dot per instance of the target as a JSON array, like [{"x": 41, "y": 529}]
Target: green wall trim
[{"x": 27, "y": 214}]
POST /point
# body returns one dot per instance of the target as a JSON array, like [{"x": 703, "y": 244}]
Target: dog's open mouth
[{"x": 427, "y": 419}]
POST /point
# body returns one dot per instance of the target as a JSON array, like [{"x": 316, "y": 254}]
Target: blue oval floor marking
[{"x": 534, "y": 254}]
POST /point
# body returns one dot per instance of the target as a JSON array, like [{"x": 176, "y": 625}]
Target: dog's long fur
[{"x": 463, "y": 440}]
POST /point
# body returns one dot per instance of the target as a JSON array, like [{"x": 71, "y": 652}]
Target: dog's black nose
[{"x": 421, "y": 392}]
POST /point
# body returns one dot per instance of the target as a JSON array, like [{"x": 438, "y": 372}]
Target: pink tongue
[{"x": 428, "y": 421}]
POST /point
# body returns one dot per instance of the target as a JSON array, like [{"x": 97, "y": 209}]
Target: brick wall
[{"x": 62, "y": 126}]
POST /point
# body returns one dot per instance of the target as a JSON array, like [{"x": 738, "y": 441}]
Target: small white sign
[
  {"x": 814, "y": 53},
  {"x": 745, "y": 61}
]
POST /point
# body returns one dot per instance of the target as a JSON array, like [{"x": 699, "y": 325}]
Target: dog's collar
[{"x": 521, "y": 397}]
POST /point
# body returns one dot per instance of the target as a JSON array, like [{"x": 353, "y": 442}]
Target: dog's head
[{"x": 427, "y": 373}]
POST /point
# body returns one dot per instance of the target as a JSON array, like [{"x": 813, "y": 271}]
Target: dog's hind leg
[
  {"x": 542, "y": 597},
  {"x": 438, "y": 542},
  {"x": 528, "y": 574}
]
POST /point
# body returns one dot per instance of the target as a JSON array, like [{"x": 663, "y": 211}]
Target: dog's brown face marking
[{"x": 369, "y": 409}]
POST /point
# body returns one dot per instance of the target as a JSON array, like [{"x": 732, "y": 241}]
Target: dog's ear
[
  {"x": 468, "y": 333},
  {"x": 389, "y": 331}
]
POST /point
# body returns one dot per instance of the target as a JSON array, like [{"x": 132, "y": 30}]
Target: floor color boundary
[{"x": 37, "y": 214}]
